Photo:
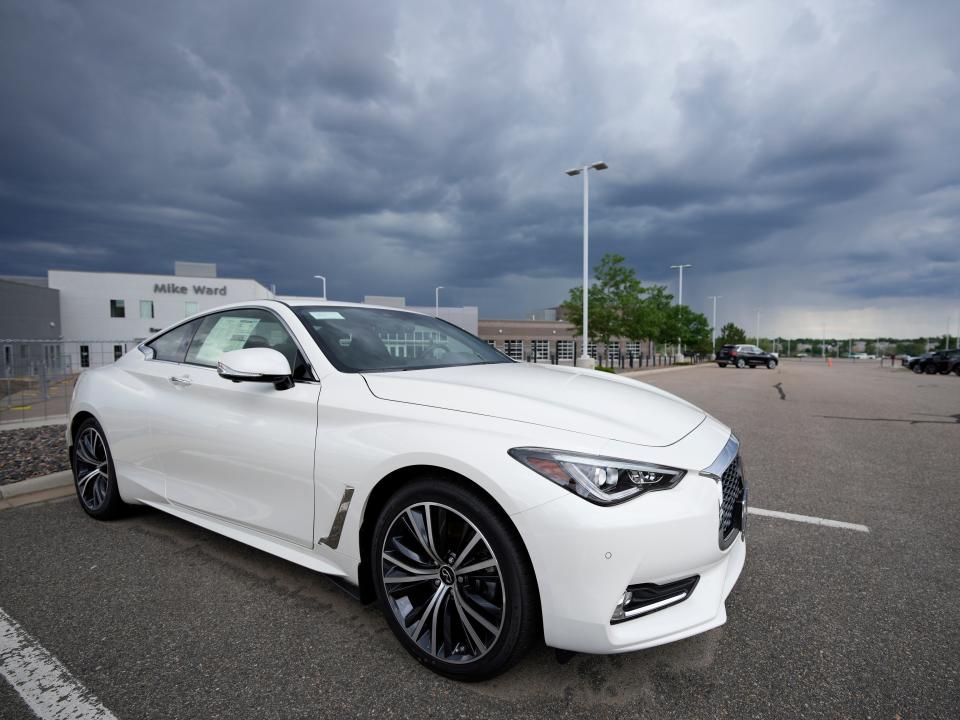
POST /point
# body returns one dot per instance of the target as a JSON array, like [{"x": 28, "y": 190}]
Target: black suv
[
  {"x": 744, "y": 355},
  {"x": 941, "y": 361}
]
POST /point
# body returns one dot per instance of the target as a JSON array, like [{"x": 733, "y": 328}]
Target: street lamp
[
  {"x": 758, "y": 329},
  {"x": 715, "y": 298},
  {"x": 585, "y": 360},
  {"x": 436, "y": 295},
  {"x": 321, "y": 277},
  {"x": 680, "y": 298}
]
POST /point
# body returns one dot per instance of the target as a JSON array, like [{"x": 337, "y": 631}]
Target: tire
[
  {"x": 930, "y": 369},
  {"x": 956, "y": 370},
  {"x": 722, "y": 364},
  {"x": 917, "y": 369},
  {"x": 741, "y": 363},
  {"x": 456, "y": 635},
  {"x": 772, "y": 364},
  {"x": 94, "y": 476}
]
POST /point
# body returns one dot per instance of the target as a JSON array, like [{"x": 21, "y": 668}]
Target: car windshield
[{"x": 358, "y": 339}]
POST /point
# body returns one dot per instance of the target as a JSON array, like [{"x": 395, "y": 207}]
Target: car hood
[{"x": 582, "y": 401}]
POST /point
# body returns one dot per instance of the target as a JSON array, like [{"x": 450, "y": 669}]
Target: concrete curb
[
  {"x": 37, "y": 484},
  {"x": 637, "y": 374}
]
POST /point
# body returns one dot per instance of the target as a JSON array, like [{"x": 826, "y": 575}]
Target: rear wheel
[
  {"x": 741, "y": 363},
  {"x": 453, "y": 580},
  {"x": 722, "y": 364},
  {"x": 94, "y": 476},
  {"x": 956, "y": 370},
  {"x": 930, "y": 369},
  {"x": 771, "y": 364}
]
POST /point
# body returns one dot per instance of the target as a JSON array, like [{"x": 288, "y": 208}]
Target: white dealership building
[{"x": 104, "y": 314}]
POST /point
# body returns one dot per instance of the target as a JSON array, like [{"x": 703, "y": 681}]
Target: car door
[{"x": 241, "y": 451}]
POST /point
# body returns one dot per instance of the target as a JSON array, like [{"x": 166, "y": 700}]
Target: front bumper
[{"x": 585, "y": 556}]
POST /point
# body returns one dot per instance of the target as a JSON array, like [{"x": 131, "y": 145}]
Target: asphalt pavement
[{"x": 161, "y": 619}]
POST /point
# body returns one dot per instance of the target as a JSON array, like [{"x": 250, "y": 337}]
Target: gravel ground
[{"x": 32, "y": 452}]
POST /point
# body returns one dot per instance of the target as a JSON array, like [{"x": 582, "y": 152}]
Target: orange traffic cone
[{"x": 829, "y": 362}]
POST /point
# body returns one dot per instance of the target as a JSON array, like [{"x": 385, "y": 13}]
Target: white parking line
[
  {"x": 808, "y": 519},
  {"x": 42, "y": 680}
]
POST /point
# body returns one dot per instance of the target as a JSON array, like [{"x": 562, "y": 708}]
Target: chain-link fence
[{"x": 37, "y": 376}]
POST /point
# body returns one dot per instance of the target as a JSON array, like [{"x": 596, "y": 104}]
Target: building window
[
  {"x": 564, "y": 349},
  {"x": 633, "y": 348},
  {"x": 513, "y": 349},
  {"x": 613, "y": 351},
  {"x": 146, "y": 309},
  {"x": 541, "y": 349},
  {"x": 116, "y": 309},
  {"x": 7, "y": 355},
  {"x": 190, "y": 307},
  {"x": 592, "y": 350},
  {"x": 84, "y": 356},
  {"x": 492, "y": 343},
  {"x": 117, "y": 352}
]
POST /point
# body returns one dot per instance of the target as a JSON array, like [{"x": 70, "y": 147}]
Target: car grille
[{"x": 731, "y": 507}]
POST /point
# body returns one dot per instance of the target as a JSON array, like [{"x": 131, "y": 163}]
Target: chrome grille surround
[{"x": 727, "y": 470}]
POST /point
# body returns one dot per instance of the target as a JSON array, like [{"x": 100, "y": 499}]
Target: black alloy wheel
[
  {"x": 930, "y": 369},
  {"x": 94, "y": 476},
  {"x": 917, "y": 368},
  {"x": 453, "y": 581}
]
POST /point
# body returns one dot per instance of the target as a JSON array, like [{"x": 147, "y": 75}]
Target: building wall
[
  {"x": 85, "y": 307},
  {"x": 28, "y": 312},
  {"x": 523, "y": 340}
]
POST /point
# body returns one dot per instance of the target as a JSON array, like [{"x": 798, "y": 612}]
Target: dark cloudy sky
[{"x": 803, "y": 156}]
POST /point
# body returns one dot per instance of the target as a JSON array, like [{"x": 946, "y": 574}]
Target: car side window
[
  {"x": 243, "y": 328},
  {"x": 172, "y": 345}
]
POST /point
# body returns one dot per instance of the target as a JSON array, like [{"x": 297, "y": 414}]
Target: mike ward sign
[{"x": 174, "y": 289}]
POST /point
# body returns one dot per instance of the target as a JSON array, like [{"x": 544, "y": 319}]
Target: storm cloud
[{"x": 802, "y": 156}]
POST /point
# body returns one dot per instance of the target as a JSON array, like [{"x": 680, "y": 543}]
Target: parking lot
[{"x": 161, "y": 619}]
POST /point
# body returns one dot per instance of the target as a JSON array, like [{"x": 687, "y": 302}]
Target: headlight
[{"x": 603, "y": 481}]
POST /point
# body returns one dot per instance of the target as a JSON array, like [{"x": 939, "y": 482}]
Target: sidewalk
[{"x": 19, "y": 424}]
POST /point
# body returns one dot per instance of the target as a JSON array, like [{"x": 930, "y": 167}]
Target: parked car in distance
[
  {"x": 484, "y": 503},
  {"x": 940, "y": 361},
  {"x": 743, "y": 356},
  {"x": 917, "y": 364}
]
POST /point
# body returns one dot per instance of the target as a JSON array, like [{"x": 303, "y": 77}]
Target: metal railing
[{"x": 37, "y": 376}]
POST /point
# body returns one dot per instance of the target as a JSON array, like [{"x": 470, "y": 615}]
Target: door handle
[{"x": 181, "y": 380}]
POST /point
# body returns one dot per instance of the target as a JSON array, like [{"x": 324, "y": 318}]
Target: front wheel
[
  {"x": 94, "y": 476},
  {"x": 453, "y": 580},
  {"x": 930, "y": 369},
  {"x": 917, "y": 369},
  {"x": 956, "y": 370},
  {"x": 772, "y": 364}
]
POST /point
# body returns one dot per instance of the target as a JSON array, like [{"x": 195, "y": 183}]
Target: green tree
[
  {"x": 691, "y": 328},
  {"x": 730, "y": 334},
  {"x": 614, "y": 301}
]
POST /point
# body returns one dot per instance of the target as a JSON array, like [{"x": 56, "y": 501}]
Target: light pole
[
  {"x": 321, "y": 277},
  {"x": 680, "y": 298},
  {"x": 585, "y": 360},
  {"x": 436, "y": 295},
  {"x": 715, "y": 298},
  {"x": 758, "y": 329}
]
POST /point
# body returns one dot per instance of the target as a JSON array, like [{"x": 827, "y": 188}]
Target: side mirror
[{"x": 256, "y": 365}]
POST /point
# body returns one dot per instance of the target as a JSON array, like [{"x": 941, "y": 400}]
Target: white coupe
[{"x": 483, "y": 502}]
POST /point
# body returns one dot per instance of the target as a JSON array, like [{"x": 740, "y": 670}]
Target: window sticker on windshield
[
  {"x": 230, "y": 333},
  {"x": 325, "y": 315}
]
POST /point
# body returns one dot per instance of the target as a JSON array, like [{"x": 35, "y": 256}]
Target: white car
[{"x": 483, "y": 502}]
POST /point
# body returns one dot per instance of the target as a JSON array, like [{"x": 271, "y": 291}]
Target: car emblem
[{"x": 447, "y": 575}]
